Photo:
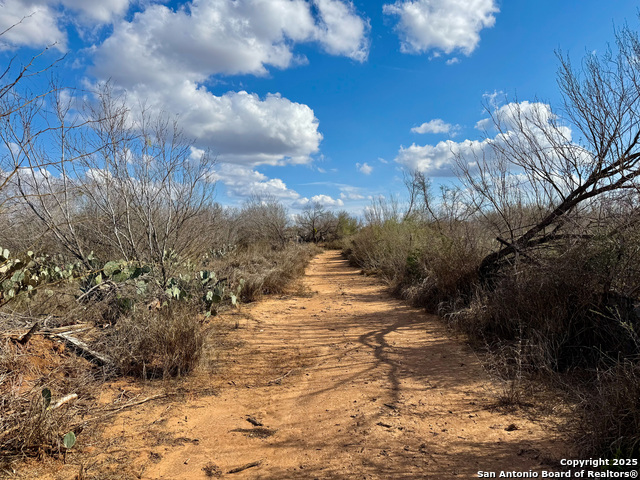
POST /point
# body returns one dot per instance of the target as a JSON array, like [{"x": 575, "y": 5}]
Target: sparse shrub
[
  {"x": 263, "y": 219},
  {"x": 424, "y": 265},
  {"x": 163, "y": 342},
  {"x": 33, "y": 379},
  {"x": 346, "y": 226},
  {"x": 265, "y": 270},
  {"x": 384, "y": 248},
  {"x": 566, "y": 307},
  {"x": 443, "y": 271},
  {"x": 609, "y": 420}
]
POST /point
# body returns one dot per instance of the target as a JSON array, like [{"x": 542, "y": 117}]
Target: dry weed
[{"x": 166, "y": 342}]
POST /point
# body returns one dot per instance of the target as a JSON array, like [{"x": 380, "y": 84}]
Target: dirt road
[{"x": 348, "y": 383}]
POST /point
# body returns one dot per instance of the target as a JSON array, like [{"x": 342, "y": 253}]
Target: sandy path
[{"x": 354, "y": 383}]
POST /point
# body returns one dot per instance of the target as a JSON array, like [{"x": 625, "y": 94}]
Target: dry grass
[
  {"x": 423, "y": 265},
  {"x": 265, "y": 270},
  {"x": 553, "y": 317},
  {"x": 29, "y": 424},
  {"x": 158, "y": 343},
  {"x": 609, "y": 418}
]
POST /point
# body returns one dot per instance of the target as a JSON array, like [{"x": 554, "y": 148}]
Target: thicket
[
  {"x": 111, "y": 240},
  {"x": 534, "y": 253}
]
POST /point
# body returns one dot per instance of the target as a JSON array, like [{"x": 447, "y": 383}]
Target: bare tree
[
  {"x": 315, "y": 223},
  {"x": 382, "y": 209},
  {"x": 263, "y": 219},
  {"x": 14, "y": 97},
  {"x": 533, "y": 162},
  {"x": 145, "y": 181},
  {"x": 104, "y": 177}
]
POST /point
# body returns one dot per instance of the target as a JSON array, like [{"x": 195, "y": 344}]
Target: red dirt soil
[{"x": 347, "y": 382}]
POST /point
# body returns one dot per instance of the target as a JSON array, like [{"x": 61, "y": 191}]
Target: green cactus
[{"x": 69, "y": 440}]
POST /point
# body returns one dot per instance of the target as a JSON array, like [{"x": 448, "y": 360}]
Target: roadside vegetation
[
  {"x": 115, "y": 259},
  {"x": 534, "y": 253}
]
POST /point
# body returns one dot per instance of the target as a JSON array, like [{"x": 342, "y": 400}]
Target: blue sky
[{"x": 318, "y": 100}]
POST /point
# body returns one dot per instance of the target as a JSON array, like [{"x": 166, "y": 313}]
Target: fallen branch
[
  {"x": 140, "y": 402},
  {"x": 36, "y": 329},
  {"x": 515, "y": 248},
  {"x": 244, "y": 467},
  {"x": 76, "y": 327},
  {"x": 84, "y": 349},
  {"x": 63, "y": 400}
]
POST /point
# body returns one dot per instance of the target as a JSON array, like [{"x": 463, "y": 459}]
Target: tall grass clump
[
  {"x": 264, "y": 269},
  {"x": 383, "y": 249},
  {"x": 163, "y": 342},
  {"x": 609, "y": 412},
  {"x": 423, "y": 263},
  {"x": 566, "y": 308}
]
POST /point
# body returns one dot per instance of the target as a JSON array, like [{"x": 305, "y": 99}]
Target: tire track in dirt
[{"x": 354, "y": 383}]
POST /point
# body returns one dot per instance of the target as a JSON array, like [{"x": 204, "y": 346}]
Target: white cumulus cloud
[
  {"x": 438, "y": 160},
  {"x": 32, "y": 24},
  {"x": 209, "y": 37},
  {"x": 442, "y": 25},
  {"x": 534, "y": 118},
  {"x": 240, "y": 127},
  {"x": 437, "y": 126},
  {"x": 165, "y": 57},
  {"x": 323, "y": 200},
  {"x": 341, "y": 31},
  {"x": 101, "y": 11},
  {"x": 40, "y": 23},
  {"x": 242, "y": 181},
  {"x": 364, "y": 168}
]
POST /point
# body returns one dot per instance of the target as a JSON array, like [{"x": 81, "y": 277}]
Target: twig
[
  {"x": 139, "y": 402},
  {"x": 95, "y": 287},
  {"x": 254, "y": 422},
  {"x": 278, "y": 380},
  {"x": 9, "y": 430},
  {"x": 119, "y": 409},
  {"x": 244, "y": 467}
]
